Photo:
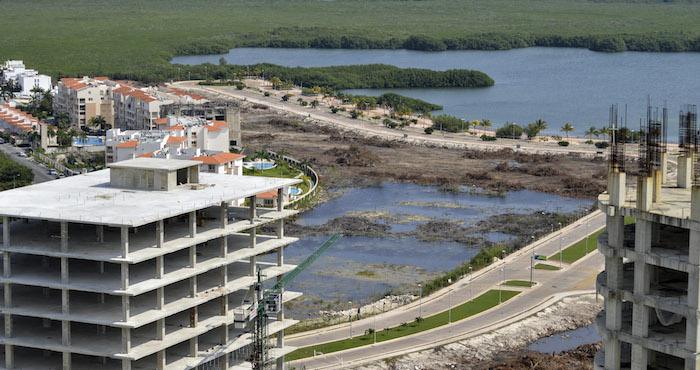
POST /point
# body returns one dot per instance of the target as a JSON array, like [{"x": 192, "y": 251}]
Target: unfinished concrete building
[
  {"x": 140, "y": 266},
  {"x": 212, "y": 111},
  {"x": 651, "y": 282}
]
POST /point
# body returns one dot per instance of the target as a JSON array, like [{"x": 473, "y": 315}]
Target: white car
[
  {"x": 53, "y": 172},
  {"x": 22, "y": 154}
]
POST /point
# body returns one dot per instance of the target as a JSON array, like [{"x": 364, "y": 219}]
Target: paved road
[
  {"x": 413, "y": 133},
  {"x": 40, "y": 171},
  {"x": 573, "y": 278}
]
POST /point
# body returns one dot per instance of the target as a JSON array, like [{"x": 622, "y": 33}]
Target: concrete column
[
  {"x": 685, "y": 171},
  {"x": 126, "y": 364},
  {"x": 253, "y": 271},
  {"x": 253, "y": 237},
  {"x": 224, "y": 335},
  {"x": 66, "y": 357},
  {"x": 160, "y": 233},
  {"x": 194, "y": 317},
  {"x": 160, "y": 360},
  {"x": 65, "y": 273},
  {"x": 645, "y": 196},
  {"x": 657, "y": 180},
  {"x": 125, "y": 242},
  {"x": 223, "y": 250},
  {"x": 253, "y": 209},
  {"x": 692, "y": 335},
  {"x": 613, "y": 313},
  {"x": 6, "y": 232},
  {"x": 193, "y": 256},
  {"x": 194, "y": 347},
  {"x": 160, "y": 298},
  {"x": 224, "y": 305},
  {"x": 9, "y": 356},
  {"x": 664, "y": 167},
  {"x": 224, "y": 276},
  {"x": 280, "y": 228},
  {"x": 280, "y": 334},
  {"x": 65, "y": 333},
  {"x": 192, "y": 221},
  {"x": 224, "y": 362},
  {"x": 280, "y": 199},
  {"x": 64, "y": 236},
  {"x": 101, "y": 265},
  {"x": 160, "y": 329},
  {"x": 223, "y": 214},
  {"x": 7, "y": 292},
  {"x": 6, "y": 264},
  {"x": 126, "y": 340},
  {"x": 65, "y": 301},
  {"x": 100, "y": 229},
  {"x": 126, "y": 308},
  {"x": 193, "y": 286},
  {"x": 280, "y": 256},
  {"x": 160, "y": 267},
  {"x": 8, "y": 325},
  {"x": 125, "y": 275}
]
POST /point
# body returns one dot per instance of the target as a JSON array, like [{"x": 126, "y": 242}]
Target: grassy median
[
  {"x": 525, "y": 283},
  {"x": 579, "y": 249},
  {"x": 477, "y": 305}
]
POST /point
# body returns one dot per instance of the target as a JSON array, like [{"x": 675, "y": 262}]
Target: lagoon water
[
  {"x": 407, "y": 261},
  {"x": 556, "y": 84}
]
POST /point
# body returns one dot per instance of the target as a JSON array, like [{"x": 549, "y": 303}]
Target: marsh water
[
  {"x": 556, "y": 84},
  {"x": 360, "y": 268},
  {"x": 567, "y": 340}
]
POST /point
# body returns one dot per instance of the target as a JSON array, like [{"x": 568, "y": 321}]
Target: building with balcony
[
  {"x": 213, "y": 111},
  {"x": 651, "y": 281},
  {"x": 145, "y": 265}
]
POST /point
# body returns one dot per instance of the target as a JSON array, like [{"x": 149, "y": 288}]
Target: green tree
[
  {"x": 314, "y": 103},
  {"x": 62, "y": 120},
  {"x": 510, "y": 130},
  {"x": 567, "y": 128},
  {"x": 275, "y": 81},
  {"x": 485, "y": 123},
  {"x": 605, "y": 131},
  {"x": 98, "y": 122},
  {"x": 541, "y": 125},
  {"x": 591, "y": 131},
  {"x": 532, "y": 130}
]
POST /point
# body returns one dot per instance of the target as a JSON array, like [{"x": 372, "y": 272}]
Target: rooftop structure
[
  {"x": 213, "y": 111},
  {"x": 106, "y": 270},
  {"x": 16, "y": 72},
  {"x": 651, "y": 282}
]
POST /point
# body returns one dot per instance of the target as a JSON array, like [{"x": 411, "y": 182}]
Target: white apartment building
[
  {"x": 145, "y": 265},
  {"x": 26, "y": 78}
]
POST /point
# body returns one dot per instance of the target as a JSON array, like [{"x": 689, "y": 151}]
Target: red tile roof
[
  {"x": 78, "y": 86},
  {"x": 122, "y": 89},
  {"x": 220, "y": 123},
  {"x": 101, "y": 78},
  {"x": 213, "y": 128},
  {"x": 176, "y": 127},
  {"x": 176, "y": 139},
  {"x": 268, "y": 194},
  {"x": 219, "y": 158},
  {"x": 147, "y": 155},
  {"x": 128, "y": 144},
  {"x": 160, "y": 121}
]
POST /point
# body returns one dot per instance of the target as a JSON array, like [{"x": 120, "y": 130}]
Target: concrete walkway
[{"x": 551, "y": 286}]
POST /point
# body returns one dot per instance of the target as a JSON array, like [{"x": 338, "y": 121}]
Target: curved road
[
  {"x": 572, "y": 279},
  {"x": 40, "y": 172}
]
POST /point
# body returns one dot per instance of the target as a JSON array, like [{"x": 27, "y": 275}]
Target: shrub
[
  {"x": 429, "y": 130},
  {"x": 240, "y": 85},
  {"x": 556, "y": 137},
  {"x": 334, "y": 109},
  {"x": 376, "y": 117},
  {"x": 304, "y": 103},
  {"x": 286, "y": 97},
  {"x": 589, "y": 142},
  {"x": 563, "y": 143},
  {"x": 509, "y": 131},
  {"x": 308, "y": 91},
  {"x": 355, "y": 113},
  {"x": 448, "y": 123},
  {"x": 267, "y": 93},
  {"x": 602, "y": 144},
  {"x": 485, "y": 137}
]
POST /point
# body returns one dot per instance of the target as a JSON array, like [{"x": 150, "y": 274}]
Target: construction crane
[{"x": 270, "y": 302}]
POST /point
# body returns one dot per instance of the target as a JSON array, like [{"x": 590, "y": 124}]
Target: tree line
[{"x": 308, "y": 37}]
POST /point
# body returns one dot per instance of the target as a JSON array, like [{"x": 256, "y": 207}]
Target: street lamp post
[
  {"x": 471, "y": 278},
  {"x": 374, "y": 310},
  {"x": 500, "y": 289},
  {"x": 504, "y": 266},
  {"x": 561, "y": 240},
  {"x": 14, "y": 182},
  {"x": 420, "y": 301},
  {"x": 587, "y": 226},
  {"x": 532, "y": 264},
  {"x": 350, "y": 303},
  {"x": 449, "y": 303}
]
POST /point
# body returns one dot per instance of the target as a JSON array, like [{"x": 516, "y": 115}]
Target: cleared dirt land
[{"x": 345, "y": 158}]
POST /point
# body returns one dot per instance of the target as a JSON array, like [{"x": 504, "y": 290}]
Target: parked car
[
  {"x": 53, "y": 171},
  {"x": 22, "y": 154}
]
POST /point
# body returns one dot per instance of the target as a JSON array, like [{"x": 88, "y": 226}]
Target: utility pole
[
  {"x": 471, "y": 279},
  {"x": 561, "y": 240},
  {"x": 374, "y": 310},
  {"x": 449, "y": 303},
  {"x": 420, "y": 301},
  {"x": 350, "y": 302},
  {"x": 532, "y": 264}
]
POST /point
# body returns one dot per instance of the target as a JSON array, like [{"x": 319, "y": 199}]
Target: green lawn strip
[
  {"x": 518, "y": 283},
  {"x": 544, "y": 266},
  {"x": 578, "y": 250},
  {"x": 477, "y": 305}
]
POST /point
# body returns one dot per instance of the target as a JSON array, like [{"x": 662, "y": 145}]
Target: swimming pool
[
  {"x": 262, "y": 165},
  {"x": 294, "y": 190},
  {"x": 91, "y": 140}
]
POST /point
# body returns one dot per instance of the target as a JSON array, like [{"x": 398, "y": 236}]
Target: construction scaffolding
[
  {"x": 617, "y": 142},
  {"x": 652, "y": 141},
  {"x": 688, "y": 137}
]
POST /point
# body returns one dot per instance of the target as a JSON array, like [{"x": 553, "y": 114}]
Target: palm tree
[
  {"x": 281, "y": 161},
  {"x": 540, "y": 125},
  {"x": 591, "y": 131},
  {"x": 62, "y": 120},
  {"x": 567, "y": 128},
  {"x": 33, "y": 137},
  {"x": 275, "y": 81},
  {"x": 485, "y": 122},
  {"x": 605, "y": 131},
  {"x": 98, "y": 121},
  {"x": 83, "y": 136}
]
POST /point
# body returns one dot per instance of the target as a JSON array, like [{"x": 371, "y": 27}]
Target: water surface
[{"x": 556, "y": 84}]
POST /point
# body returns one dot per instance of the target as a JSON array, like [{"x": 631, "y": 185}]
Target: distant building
[
  {"x": 214, "y": 111},
  {"x": 120, "y": 103},
  {"x": 17, "y": 123},
  {"x": 15, "y": 71}
]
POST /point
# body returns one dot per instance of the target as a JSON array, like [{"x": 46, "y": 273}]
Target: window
[
  {"x": 269, "y": 202},
  {"x": 82, "y": 100},
  {"x": 90, "y": 99},
  {"x": 212, "y": 168}
]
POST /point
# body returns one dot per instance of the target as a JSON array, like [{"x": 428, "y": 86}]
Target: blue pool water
[
  {"x": 294, "y": 190},
  {"x": 263, "y": 165},
  {"x": 91, "y": 140}
]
